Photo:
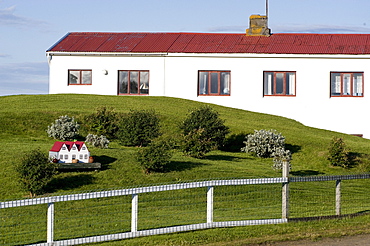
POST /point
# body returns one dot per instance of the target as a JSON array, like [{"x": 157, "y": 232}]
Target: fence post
[
  {"x": 134, "y": 211},
  {"x": 50, "y": 223},
  {"x": 210, "y": 204},
  {"x": 337, "y": 197},
  {"x": 285, "y": 191}
]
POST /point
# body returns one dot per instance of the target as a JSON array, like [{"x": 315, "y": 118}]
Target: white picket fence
[{"x": 209, "y": 206}]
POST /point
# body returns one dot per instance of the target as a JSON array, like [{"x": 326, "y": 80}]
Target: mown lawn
[{"x": 24, "y": 120}]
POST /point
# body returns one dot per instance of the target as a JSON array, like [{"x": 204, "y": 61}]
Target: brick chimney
[{"x": 258, "y": 26}]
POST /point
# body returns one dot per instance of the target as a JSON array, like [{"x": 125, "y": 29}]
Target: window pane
[
  {"x": 86, "y": 77},
  {"x": 290, "y": 83},
  {"x": 74, "y": 77},
  {"x": 335, "y": 84},
  {"x": 346, "y": 84},
  {"x": 123, "y": 81},
  {"x": 214, "y": 83},
  {"x": 357, "y": 84},
  {"x": 225, "y": 83},
  {"x": 203, "y": 85},
  {"x": 268, "y": 83},
  {"x": 144, "y": 82},
  {"x": 279, "y": 83},
  {"x": 134, "y": 82}
]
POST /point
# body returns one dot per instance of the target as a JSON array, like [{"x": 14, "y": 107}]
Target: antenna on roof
[{"x": 267, "y": 12}]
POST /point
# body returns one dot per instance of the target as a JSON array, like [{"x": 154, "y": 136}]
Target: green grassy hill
[{"x": 24, "y": 120}]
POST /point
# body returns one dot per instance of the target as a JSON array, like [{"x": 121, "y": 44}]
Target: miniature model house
[{"x": 68, "y": 152}]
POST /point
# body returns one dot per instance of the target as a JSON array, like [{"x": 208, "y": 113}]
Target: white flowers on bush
[
  {"x": 97, "y": 141},
  {"x": 64, "y": 128},
  {"x": 268, "y": 143},
  {"x": 279, "y": 157}
]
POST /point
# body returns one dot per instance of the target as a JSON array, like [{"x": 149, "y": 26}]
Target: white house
[
  {"x": 68, "y": 151},
  {"x": 319, "y": 80}
]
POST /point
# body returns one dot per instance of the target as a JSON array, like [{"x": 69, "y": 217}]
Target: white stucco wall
[{"x": 176, "y": 75}]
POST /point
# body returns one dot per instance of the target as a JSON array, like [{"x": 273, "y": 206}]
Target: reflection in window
[
  {"x": 214, "y": 83},
  {"x": 133, "y": 82},
  {"x": 279, "y": 84},
  {"x": 346, "y": 84},
  {"x": 79, "y": 77}
]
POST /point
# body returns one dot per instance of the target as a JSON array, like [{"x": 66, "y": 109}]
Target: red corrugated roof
[
  {"x": 58, "y": 145},
  {"x": 280, "y": 43}
]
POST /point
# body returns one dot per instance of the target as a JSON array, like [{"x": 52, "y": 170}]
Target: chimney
[{"x": 258, "y": 26}]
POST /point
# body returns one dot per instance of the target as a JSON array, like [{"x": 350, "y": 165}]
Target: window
[
  {"x": 85, "y": 156},
  {"x": 73, "y": 156},
  {"x": 133, "y": 82},
  {"x": 279, "y": 84},
  {"x": 65, "y": 157},
  {"x": 214, "y": 83},
  {"x": 81, "y": 156},
  {"x": 61, "y": 157},
  {"x": 79, "y": 77},
  {"x": 346, "y": 84}
]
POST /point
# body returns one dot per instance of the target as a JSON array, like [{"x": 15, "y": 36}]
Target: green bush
[
  {"x": 138, "y": 128},
  {"x": 197, "y": 144},
  {"x": 264, "y": 143},
  {"x": 103, "y": 122},
  {"x": 155, "y": 156},
  {"x": 97, "y": 141},
  {"x": 338, "y": 153},
  {"x": 64, "y": 128},
  {"x": 35, "y": 171},
  {"x": 207, "y": 119}
]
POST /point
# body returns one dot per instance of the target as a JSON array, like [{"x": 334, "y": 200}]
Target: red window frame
[
  {"x": 337, "y": 89},
  {"x": 271, "y": 90},
  {"x": 207, "y": 87},
  {"x": 142, "y": 87},
  {"x": 80, "y": 71}
]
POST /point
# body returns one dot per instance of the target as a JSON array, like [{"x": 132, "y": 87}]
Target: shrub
[
  {"x": 103, "y": 122},
  {"x": 207, "y": 119},
  {"x": 264, "y": 143},
  {"x": 155, "y": 156},
  {"x": 196, "y": 144},
  {"x": 279, "y": 156},
  {"x": 64, "y": 128},
  {"x": 35, "y": 171},
  {"x": 338, "y": 153},
  {"x": 97, "y": 141},
  {"x": 139, "y": 127}
]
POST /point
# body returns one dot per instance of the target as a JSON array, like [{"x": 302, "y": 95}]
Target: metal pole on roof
[{"x": 267, "y": 11}]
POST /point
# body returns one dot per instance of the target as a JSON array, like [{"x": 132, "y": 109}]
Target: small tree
[
  {"x": 103, "y": 122},
  {"x": 156, "y": 156},
  {"x": 35, "y": 171},
  {"x": 97, "y": 141},
  {"x": 196, "y": 144},
  {"x": 207, "y": 119},
  {"x": 139, "y": 127},
  {"x": 338, "y": 153},
  {"x": 64, "y": 128},
  {"x": 264, "y": 143}
]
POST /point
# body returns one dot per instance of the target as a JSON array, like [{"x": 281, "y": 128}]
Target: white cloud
[
  {"x": 8, "y": 18},
  {"x": 23, "y": 78}
]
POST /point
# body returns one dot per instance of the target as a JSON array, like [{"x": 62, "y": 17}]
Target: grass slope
[{"x": 24, "y": 120}]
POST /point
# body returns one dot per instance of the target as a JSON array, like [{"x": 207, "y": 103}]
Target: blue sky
[{"x": 29, "y": 27}]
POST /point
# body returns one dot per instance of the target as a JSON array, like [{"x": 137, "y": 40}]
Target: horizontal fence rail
[{"x": 144, "y": 211}]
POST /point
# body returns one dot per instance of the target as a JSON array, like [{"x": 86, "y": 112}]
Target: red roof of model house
[
  {"x": 58, "y": 145},
  {"x": 279, "y": 43}
]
